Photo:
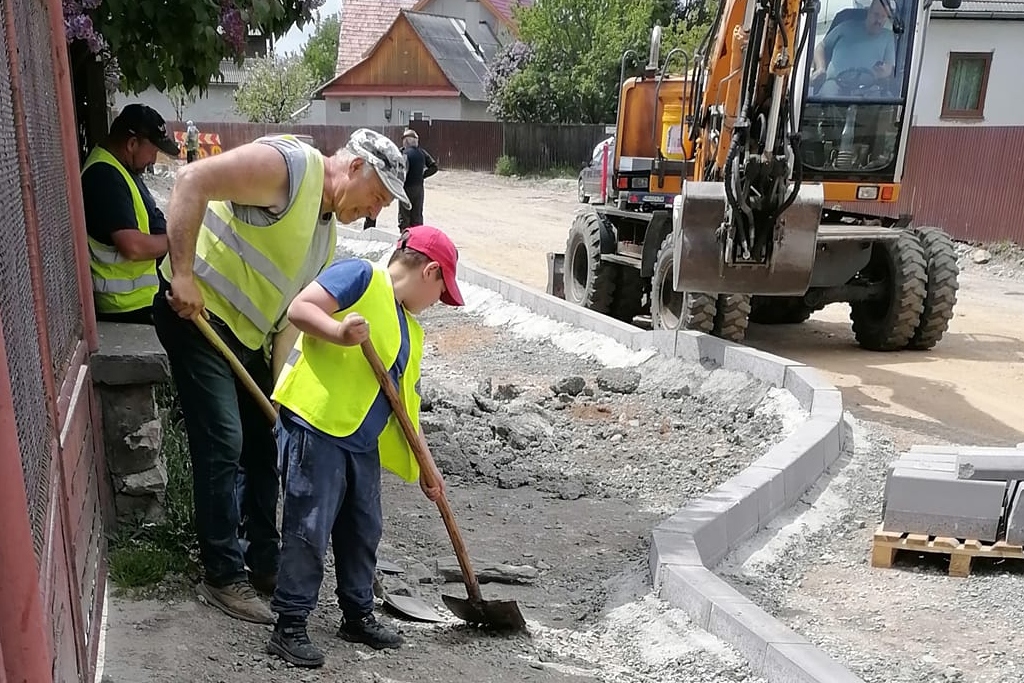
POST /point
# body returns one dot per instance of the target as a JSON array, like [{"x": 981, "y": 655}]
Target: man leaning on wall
[{"x": 127, "y": 231}]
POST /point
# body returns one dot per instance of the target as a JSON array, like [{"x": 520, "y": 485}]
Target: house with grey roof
[{"x": 401, "y": 61}]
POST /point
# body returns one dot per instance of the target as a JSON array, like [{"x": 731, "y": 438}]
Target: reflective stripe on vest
[
  {"x": 249, "y": 274},
  {"x": 121, "y": 285},
  {"x": 332, "y": 387}
]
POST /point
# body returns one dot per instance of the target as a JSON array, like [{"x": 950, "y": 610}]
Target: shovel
[
  {"x": 403, "y": 604},
  {"x": 498, "y": 614}
]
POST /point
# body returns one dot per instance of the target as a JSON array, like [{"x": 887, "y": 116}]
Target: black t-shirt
[
  {"x": 109, "y": 206},
  {"x": 420, "y": 165}
]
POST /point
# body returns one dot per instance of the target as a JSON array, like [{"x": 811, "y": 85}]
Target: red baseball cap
[{"x": 439, "y": 247}]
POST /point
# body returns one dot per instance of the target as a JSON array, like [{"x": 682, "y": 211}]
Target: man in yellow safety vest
[
  {"x": 126, "y": 229},
  {"x": 247, "y": 230}
]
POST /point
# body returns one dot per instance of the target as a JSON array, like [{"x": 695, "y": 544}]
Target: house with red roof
[{"x": 409, "y": 60}]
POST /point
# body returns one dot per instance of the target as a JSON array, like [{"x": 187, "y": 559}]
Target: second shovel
[{"x": 498, "y": 614}]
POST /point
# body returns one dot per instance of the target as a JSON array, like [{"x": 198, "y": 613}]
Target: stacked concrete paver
[{"x": 961, "y": 492}]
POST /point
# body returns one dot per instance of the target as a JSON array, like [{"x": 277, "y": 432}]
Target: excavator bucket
[{"x": 699, "y": 254}]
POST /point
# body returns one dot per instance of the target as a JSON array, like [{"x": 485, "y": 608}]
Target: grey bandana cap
[{"x": 385, "y": 157}]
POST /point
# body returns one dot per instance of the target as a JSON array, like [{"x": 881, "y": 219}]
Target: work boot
[
  {"x": 367, "y": 630},
  {"x": 238, "y": 600},
  {"x": 290, "y": 642},
  {"x": 265, "y": 584}
]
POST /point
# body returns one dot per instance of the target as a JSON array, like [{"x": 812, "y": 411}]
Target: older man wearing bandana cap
[{"x": 248, "y": 230}]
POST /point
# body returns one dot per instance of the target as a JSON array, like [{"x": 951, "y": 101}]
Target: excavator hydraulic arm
[{"x": 746, "y": 223}]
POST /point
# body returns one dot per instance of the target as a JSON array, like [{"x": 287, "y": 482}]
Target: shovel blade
[
  {"x": 413, "y": 608},
  {"x": 497, "y": 614}
]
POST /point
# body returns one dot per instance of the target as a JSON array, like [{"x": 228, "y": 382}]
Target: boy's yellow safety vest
[
  {"x": 120, "y": 285},
  {"x": 332, "y": 387},
  {"x": 248, "y": 274}
]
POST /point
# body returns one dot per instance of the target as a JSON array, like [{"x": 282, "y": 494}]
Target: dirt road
[{"x": 967, "y": 389}]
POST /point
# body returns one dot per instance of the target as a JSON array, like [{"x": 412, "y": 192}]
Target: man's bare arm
[
  {"x": 138, "y": 246},
  {"x": 819, "y": 57},
  {"x": 253, "y": 174}
]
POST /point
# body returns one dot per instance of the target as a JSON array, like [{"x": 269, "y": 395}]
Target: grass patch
[
  {"x": 141, "y": 553},
  {"x": 506, "y": 166},
  {"x": 561, "y": 171},
  {"x": 510, "y": 166}
]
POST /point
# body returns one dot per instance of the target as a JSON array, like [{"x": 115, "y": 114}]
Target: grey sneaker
[{"x": 238, "y": 600}]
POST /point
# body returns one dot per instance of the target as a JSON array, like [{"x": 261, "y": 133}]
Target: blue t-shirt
[
  {"x": 346, "y": 280},
  {"x": 854, "y": 48}
]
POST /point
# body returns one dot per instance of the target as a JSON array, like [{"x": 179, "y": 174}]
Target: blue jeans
[
  {"x": 329, "y": 494},
  {"x": 226, "y": 429}
]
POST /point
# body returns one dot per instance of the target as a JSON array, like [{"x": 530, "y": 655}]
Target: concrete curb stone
[{"x": 686, "y": 546}]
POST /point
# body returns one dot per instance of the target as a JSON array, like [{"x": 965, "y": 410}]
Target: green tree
[
  {"x": 320, "y": 54},
  {"x": 566, "y": 70},
  {"x": 273, "y": 89},
  {"x": 182, "y": 43},
  {"x": 180, "y": 100}
]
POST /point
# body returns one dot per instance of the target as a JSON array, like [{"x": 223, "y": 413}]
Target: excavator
[{"x": 738, "y": 181}]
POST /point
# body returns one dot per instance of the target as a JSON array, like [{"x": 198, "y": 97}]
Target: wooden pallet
[{"x": 886, "y": 544}]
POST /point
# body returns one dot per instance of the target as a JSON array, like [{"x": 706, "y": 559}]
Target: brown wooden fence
[{"x": 463, "y": 145}]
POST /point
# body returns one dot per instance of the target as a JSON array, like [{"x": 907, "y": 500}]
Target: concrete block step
[
  {"x": 936, "y": 503},
  {"x": 990, "y": 464}
]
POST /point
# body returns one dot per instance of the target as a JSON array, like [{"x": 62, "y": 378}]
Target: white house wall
[
  {"x": 1002, "y": 98},
  {"x": 369, "y": 111},
  {"x": 217, "y": 105}
]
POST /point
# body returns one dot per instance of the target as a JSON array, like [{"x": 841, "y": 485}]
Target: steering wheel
[{"x": 857, "y": 80}]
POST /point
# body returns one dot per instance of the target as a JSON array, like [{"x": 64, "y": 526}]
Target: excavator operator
[{"x": 856, "y": 57}]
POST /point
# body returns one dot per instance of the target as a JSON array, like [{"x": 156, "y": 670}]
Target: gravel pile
[{"x": 1003, "y": 259}]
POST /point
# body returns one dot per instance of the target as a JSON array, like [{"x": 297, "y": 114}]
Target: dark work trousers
[
  {"x": 140, "y": 316},
  {"x": 414, "y": 215},
  {"x": 329, "y": 494},
  {"x": 226, "y": 429}
]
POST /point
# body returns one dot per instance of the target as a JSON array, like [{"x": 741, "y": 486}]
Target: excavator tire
[
  {"x": 672, "y": 310},
  {"x": 589, "y": 282},
  {"x": 889, "y": 323},
  {"x": 940, "y": 297},
  {"x": 779, "y": 310},
  {"x": 627, "y": 299},
  {"x": 731, "y": 316}
]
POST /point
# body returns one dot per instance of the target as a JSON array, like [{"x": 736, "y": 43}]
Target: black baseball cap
[{"x": 143, "y": 121}]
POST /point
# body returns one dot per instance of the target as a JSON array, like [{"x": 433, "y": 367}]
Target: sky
[{"x": 296, "y": 38}]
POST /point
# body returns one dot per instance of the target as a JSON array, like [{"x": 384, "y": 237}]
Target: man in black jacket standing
[{"x": 420, "y": 166}]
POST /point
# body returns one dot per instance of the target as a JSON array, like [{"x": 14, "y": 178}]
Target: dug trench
[{"x": 561, "y": 450}]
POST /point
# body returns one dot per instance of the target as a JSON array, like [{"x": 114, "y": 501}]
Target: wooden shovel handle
[
  {"x": 236, "y": 365},
  {"x": 426, "y": 463}
]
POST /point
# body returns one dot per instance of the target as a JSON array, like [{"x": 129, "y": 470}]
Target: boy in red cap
[{"x": 336, "y": 430}]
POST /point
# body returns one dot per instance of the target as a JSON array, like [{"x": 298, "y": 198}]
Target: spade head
[
  {"x": 413, "y": 608},
  {"x": 496, "y": 614}
]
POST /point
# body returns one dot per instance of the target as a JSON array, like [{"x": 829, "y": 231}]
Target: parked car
[{"x": 589, "y": 182}]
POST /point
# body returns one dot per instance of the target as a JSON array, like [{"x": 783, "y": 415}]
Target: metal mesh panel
[
  {"x": 21, "y": 340},
  {"x": 63, "y": 307}
]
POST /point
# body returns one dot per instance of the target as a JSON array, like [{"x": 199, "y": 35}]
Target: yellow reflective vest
[
  {"x": 332, "y": 387},
  {"x": 249, "y": 274},
  {"x": 120, "y": 285}
]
